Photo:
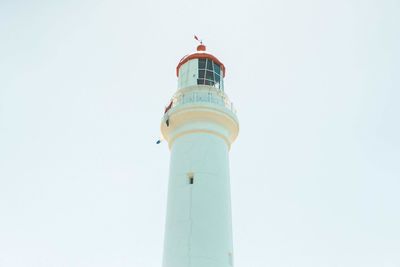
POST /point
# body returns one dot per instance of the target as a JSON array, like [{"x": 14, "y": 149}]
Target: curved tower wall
[
  {"x": 188, "y": 74},
  {"x": 199, "y": 125},
  {"x": 198, "y": 226}
]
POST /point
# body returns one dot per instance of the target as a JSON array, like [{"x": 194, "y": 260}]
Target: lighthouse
[{"x": 200, "y": 125}]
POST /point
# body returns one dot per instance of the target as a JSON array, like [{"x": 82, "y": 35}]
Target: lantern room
[{"x": 201, "y": 69}]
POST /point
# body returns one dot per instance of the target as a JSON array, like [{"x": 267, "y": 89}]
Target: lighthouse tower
[{"x": 200, "y": 125}]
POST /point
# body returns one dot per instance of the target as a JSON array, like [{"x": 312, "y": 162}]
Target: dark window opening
[
  {"x": 209, "y": 73},
  {"x": 209, "y": 65},
  {"x": 217, "y": 68},
  {"x": 190, "y": 177},
  {"x": 201, "y": 74},
  {"x": 208, "y": 82},
  {"x": 202, "y": 63},
  {"x": 217, "y": 78}
]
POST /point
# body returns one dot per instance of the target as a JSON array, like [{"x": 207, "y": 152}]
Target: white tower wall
[
  {"x": 199, "y": 125},
  {"x": 198, "y": 228},
  {"x": 188, "y": 74}
]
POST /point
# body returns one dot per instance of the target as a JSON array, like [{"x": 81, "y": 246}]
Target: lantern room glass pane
[
  {"x": 201, "y": 74},
  {"x": 209, "y": 75},
  {"x": 202, "y": 63},
  {"x": 207, "y": 82},
  {"x": 217, "y": 78},
  {"x": 217, "y": 68},
  {"x": 209, "y": 65}
]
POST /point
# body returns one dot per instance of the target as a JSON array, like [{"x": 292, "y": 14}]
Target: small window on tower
[{"x": 190, "y": 177}]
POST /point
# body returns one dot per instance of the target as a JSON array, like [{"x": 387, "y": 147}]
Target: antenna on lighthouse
[
  {"x": 198, "y": 40},
  {"x": 200, "y": 47}
]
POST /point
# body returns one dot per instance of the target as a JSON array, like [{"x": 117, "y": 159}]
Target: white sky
[{"x": 315, "y": 172}]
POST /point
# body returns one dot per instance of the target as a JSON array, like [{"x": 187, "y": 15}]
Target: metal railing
[{"x": 217, "y": 98}]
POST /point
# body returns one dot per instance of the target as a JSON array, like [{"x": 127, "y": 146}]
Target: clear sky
[{"x": 315, "y": 172}]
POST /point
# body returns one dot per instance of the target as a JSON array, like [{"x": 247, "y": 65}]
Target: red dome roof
[{"x": 199, "y": 54}]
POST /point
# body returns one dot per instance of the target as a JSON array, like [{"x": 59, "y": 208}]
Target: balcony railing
[{"x": 193, "y": 97}]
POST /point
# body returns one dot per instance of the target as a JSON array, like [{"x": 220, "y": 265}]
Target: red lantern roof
[{"x": 200, "y": 54}]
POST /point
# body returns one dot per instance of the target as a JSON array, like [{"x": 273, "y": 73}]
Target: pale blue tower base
[{"x": 198, "y": 228}]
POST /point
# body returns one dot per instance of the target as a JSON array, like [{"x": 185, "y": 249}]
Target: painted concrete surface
[
  {"x": 198, "y": 226},
  {"x": 188, "y": 74},
  {"x": 200, "y": 125}
]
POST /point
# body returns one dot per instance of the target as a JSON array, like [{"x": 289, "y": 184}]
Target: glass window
[
  {"x": 201, "y": 74},
  {"x": 207, "y": 82},
  {"x": 217, "y": 68},
  {"x": 202, "y": 63},
  {"x": 217, "y": 77},
  {"x": 209, "y": 65},
  {"x": 209, "y": 75}
]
